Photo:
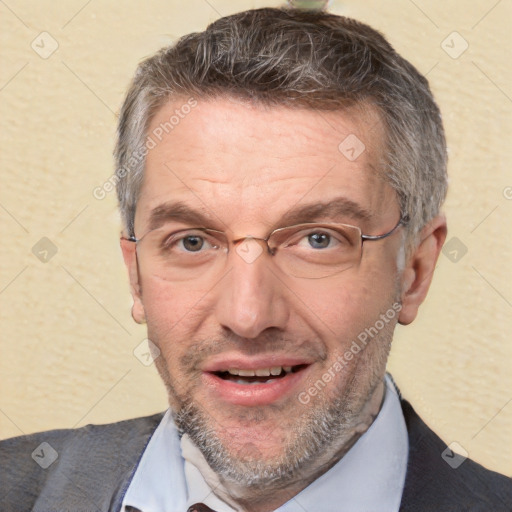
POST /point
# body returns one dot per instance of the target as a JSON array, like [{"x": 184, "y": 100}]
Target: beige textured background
[{"x": 67, "y": 336}]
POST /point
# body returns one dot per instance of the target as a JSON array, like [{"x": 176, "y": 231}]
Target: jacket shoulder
[
  {"x": 64, "y": 464},
  {"x": 438, "y": 479}
]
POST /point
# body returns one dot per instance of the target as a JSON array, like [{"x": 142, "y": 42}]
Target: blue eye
[{"x": 319, "y": 240}]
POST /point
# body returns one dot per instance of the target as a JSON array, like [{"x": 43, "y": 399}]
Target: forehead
[{"x": 247, "y": 162}]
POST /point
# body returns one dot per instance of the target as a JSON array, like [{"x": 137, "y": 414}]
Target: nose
[{"x": 252, "y": 297}]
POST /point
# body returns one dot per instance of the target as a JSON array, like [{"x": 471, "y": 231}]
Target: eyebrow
[
  {"x": 178, "y": 211},
  {"x": 335, "y": 209}
]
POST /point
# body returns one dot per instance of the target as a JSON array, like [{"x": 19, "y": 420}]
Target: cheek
[
  {"x": 173, "y": 315},
  {"x": 345, "y": 306},
  {"x": 172, "y": 307}
]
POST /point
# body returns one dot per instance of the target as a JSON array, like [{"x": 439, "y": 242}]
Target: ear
[
  {"x": 130, "y": 260},
  {"x": 419, "y": 269}
]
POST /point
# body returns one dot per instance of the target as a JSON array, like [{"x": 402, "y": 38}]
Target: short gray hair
[{"x": 298, "y": 59}]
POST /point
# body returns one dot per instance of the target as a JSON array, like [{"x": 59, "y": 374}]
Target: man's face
[{"x": 245, "y": 169}]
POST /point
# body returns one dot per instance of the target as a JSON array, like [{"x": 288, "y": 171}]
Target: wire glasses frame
[{"x": 166, "y": 261}]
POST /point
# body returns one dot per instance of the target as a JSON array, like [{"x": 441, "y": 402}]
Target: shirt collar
[
  {"x": 158, "y": 484},
  {"x": 370, "y": 476}
]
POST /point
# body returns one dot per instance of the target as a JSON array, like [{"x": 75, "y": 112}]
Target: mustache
[{"x": 267, "y": 343}]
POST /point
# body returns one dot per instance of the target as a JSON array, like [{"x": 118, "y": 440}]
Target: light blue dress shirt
[{"x": 369, "y": 478}]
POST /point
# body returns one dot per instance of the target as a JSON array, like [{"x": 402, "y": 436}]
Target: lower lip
[{"x": 254, "y": 394}]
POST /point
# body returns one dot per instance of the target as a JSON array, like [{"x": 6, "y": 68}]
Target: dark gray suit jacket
[{"x": 95, "y": 465}]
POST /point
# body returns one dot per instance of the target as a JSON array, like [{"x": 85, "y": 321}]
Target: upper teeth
[{"x": 260, "y": 372}]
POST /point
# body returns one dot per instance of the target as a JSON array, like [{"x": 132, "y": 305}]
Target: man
[{"x": 280, "y": 181}]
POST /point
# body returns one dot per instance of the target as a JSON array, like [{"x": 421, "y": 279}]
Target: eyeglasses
[{"x": 311, "y": 250}]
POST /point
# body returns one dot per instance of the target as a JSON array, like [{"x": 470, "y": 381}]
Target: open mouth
[
  {"x": 258, "y": 376},
  {"x": 251, "y": 383}
]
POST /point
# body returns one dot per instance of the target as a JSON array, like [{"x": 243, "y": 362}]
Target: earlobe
[
  {"x": 419, "y": 270},
  {"x": 130, "y": 259}
]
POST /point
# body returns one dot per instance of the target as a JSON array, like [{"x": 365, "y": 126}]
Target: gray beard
[{"x": 323, "y": 427}]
